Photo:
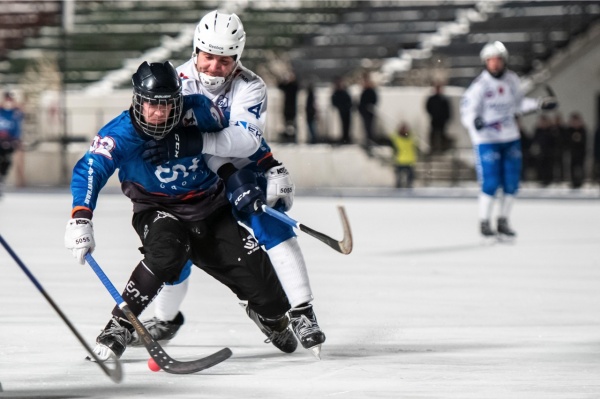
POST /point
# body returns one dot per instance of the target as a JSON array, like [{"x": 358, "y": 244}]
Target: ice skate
[
  {"x": 487, "y": 234},
  {"x": 505, "y": 233},
  {"x": 112, "y": 341},
  {"x": 276, "y": 330},
  {"x": 307, "y": 330},
  {"x": 160, "y": 330}
]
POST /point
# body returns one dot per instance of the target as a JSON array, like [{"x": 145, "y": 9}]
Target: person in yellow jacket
[{"x": 405, "y": 156}]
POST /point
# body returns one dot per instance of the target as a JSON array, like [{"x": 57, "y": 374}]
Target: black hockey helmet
[{"x": 158, "y": 84}]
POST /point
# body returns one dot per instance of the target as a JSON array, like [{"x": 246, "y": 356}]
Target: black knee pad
[{"x": 166, "y": 256}]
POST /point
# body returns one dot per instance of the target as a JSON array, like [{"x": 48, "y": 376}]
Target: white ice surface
[{"x": 420, "y": 309}]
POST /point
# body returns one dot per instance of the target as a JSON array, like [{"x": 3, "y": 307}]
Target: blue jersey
[
  {"x": 187, "y": 188},
  {"x": 10, "y": 124}
]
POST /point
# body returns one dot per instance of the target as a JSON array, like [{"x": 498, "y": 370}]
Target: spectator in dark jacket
[
  {"x": 438, "y": 108},
  {"x": 290, "y": 88},
  {"x": 577, "y": 140},
  {"x": 342, "y": 101}
]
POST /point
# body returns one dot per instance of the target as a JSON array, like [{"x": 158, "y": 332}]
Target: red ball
[{"x": 152, "y": 365}]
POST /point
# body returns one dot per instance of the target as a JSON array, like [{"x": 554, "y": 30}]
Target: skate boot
[
  {"x": 112, "y": 341},
  {"x": 486, "y": 229},
  {"x": 305, "y": 326},
  {"x": 487, "y": 234},
  {"x": 504, "y": 231},
  {"x": 276, "y": 330},
  {"x": 160, "y": 330}
]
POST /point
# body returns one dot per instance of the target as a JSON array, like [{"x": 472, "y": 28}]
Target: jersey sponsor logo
[
  {"x": 222, "y": 102},
  {"x": 103, "y": 146},
  {"x": 90, "y": 182},
  {"x": 250, "y": 128},
  {"x": 168, "y": 175}
]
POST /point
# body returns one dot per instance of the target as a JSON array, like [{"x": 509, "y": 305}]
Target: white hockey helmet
[
  {"x": 220, "y": 34},
  {"x": 493, "y": 49}
]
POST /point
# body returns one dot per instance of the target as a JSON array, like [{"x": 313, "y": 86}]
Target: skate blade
[
  {"x": 103, "y": 353},
  {"x": 487, "y": 241},
  {"x": 504, "y": 239},
  {"x": 316, "y": 351}
]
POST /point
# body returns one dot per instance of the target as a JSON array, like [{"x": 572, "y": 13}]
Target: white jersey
[
  {"x": 496, "y": 101},
  {"x": 243, "y": 100}
]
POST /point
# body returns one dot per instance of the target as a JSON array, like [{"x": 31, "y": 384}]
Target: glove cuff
[
  {"x": 267, "y": 163},
  {"x": 81, "y": 213},
  {"x": 225, "y": 171}
]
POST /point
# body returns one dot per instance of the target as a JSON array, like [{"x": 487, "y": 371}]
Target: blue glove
[
  {"x": 181, "y": 142},
  {"x": 243, "y": 192}
]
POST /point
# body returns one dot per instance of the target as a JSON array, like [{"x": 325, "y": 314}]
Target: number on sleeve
[{"x": 255, "y": 110}]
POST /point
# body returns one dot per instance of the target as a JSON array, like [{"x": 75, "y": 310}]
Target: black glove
[
  {"x": 181, "y": 142},
  {"x": 548, "y": 103},
  {"x": 243, "y": 192},
  {"x": 478, "y": 122}
]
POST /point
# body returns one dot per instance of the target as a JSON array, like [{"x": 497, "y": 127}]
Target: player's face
[
  {"x": 494, "y": 65},
  {"x": 215, "y": 65},
  {"x": 156, "y": 114}
]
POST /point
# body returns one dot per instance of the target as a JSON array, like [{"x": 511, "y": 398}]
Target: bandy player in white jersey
[
  {"x": 215, "y": 71},
  {"x": 488, "y": 110}
]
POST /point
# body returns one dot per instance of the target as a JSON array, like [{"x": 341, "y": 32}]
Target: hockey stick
[
  {"x": 161, "y": 358},
  {"x": 550, "y": 91},
  {"x": 344, "y": 246},
  {"x": 116, "y": 374}
]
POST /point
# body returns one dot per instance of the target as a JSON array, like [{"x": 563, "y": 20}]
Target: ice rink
[{"x": 419, "y": 309}]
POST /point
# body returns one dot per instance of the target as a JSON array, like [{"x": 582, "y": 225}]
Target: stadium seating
[{"x": 321, "y": 39}]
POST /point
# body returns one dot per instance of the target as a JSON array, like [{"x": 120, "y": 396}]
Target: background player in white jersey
[
  {"x": 215, "y": 70},
  {"x": 488, "y": 109}
]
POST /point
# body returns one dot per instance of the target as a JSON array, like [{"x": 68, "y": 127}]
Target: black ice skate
[
  {"x": 486, "y": 229},
  {"x": 504, "y": 230},
  {"x": 276, "y": 330},
  {"x": 160, "y": 330},
  {"x": 305, "y": 326},
  {"x": 112, "y": 341}
]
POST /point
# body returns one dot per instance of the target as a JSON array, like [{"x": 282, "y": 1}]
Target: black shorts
[{"x": 219, "y": 246}]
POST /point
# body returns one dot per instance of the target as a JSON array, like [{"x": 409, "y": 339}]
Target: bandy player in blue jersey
[
  {"x": 181, "y": 210},
  {"x": 488, "y": 110}
]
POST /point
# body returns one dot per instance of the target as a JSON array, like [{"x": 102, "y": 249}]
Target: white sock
[
  {"x": 506, "y": 204},
  {"x": 288, "y": 261},
  {"x": 169, "y": 300},
  {"x": 486, "y": 203}
]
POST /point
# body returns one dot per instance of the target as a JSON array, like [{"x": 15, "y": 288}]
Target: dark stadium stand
[{"x": 320, "y": 38}]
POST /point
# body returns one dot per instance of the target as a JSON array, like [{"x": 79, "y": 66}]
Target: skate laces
[
  {"x": 157, "y": 324},
  {"x": 115, "y": 333},
  {"x": 278, "y": 337},
  {"x": 306, "y": 326}
]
